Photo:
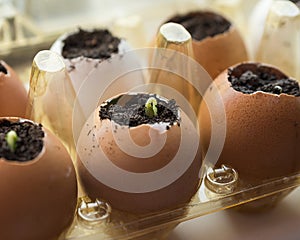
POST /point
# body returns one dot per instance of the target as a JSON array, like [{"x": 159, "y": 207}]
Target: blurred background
[{"x": 27, "y": 26}]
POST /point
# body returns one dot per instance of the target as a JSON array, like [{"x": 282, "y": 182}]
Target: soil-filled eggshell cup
[
  {"x": 13, "y": 96},
  {"x": 83, "y": 50},
  {"x": 137, "y": 160},
  {"x": 217, "y": 44},
  {"x": 87, "y": 55},
  {"x": 262, "y": 107},
  {"x": 38, "y": 188}
]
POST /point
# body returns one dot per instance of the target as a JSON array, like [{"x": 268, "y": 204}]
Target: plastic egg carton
[
  {"x": 156, "y": 226},
  {"x": 219, "y": 187}
]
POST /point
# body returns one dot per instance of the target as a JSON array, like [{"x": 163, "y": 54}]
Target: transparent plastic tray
[
  {"x": 220, "y": 187},
  {"x": 156, "y": 226}
]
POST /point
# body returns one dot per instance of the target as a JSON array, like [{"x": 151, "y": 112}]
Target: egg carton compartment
[{"x": 220, "y": 186}]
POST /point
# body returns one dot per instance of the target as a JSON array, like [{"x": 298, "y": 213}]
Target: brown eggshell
[
  {"x": 262, "y": 139},
  {"x": 38, "y": 197},
  {"x": 140, "y": 136},
  {"x": 175, "y": 194},
  {"x": 217, "y": 53},
  {"x": 13, "y": 96}
]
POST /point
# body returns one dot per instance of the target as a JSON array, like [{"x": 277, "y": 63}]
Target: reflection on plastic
[
  {"x": 93, "y": 212},
  {"x": 222, "y": 180},
  {"x": 52, "y": 97},
  {"x": 174, "y": 36}
]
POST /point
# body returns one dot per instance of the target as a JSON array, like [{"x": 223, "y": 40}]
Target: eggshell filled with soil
[
  {"x": 137, "y": 163},
  {"x": 38, "y": 188},
  {"x": 217, "y": 44},
  {"x": 95, "y": 56},
  {"x": 262, "y": 107}
]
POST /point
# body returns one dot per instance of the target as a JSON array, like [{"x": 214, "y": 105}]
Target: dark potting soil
[
  {"x": 202, "y": 24},
  {"x": 129, "y": 110},
  {"x": 29, "y": 143},
  {"x": 97, "y": 44},
  {"x": 3, "y": 69},
  {"x": 296, "y": 1},
  {"x": 251, "y": 81}
]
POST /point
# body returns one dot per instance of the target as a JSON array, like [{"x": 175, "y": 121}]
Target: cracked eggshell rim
[{"x": 38, "y": 197}]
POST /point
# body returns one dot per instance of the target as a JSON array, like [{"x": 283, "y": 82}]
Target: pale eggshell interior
[{"x": 97, "y": 79}]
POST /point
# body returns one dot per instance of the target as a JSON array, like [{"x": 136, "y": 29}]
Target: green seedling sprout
[
  {"x": 11, "y": 139},
  {"x": 151, "y": 107}
]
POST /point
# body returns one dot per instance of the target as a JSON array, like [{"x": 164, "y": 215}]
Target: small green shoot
[
  {"x": 11, "y": 139},
  {"x": 151, "y": 107}
]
